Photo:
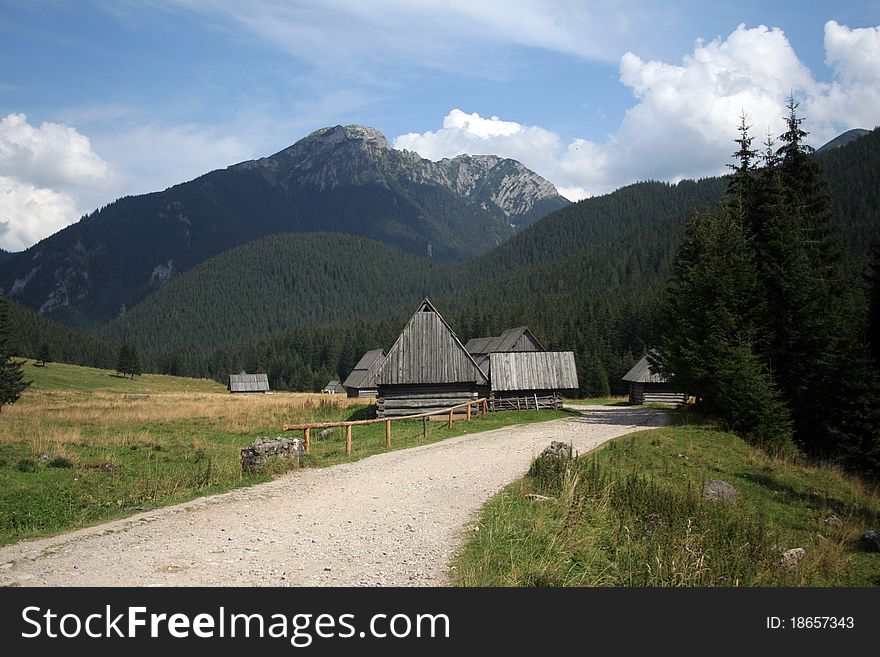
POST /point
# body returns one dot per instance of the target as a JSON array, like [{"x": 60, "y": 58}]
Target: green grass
[
  {"x": 75, "y": 378},
  {"x": 631, "y": 514},
  {"x": 76, "y": 451}
]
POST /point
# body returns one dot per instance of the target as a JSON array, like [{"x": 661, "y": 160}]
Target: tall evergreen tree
[
  {"x": 12, "y": 382},
  {"x": 123, "y": 360}
]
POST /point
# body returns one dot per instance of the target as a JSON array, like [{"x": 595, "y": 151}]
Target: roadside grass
[
  {"x": 621, "y": 400},
  {"x": 76, "y": 451},
  {"x": 632, "y": 514}
]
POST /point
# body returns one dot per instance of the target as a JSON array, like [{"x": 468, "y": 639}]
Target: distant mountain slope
[
  {"x": 342, "y": 179},
  {"x": 843, "y": 139}
]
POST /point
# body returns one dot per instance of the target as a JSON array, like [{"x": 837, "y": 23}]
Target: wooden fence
[{"x": 449, "y": 412}]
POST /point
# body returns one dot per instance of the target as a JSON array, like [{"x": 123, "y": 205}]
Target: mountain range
[{"x": 344, "y": 179}]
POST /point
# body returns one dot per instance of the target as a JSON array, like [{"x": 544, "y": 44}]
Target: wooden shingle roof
[
  {"x": 507, "y": 341},
  {"x": 641, "y": 373},
  {"x": 364, "y": 373},
  {"x": 428, "y": 352},
  {"x": 533, "y": 370},
  {"x": 248, "y": 382}
]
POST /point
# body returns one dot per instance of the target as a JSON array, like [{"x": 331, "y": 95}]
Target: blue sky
[{"x": 101, "y": 99}]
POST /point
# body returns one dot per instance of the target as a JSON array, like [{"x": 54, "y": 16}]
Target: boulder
[
  {"x": 833, "y": 521},
  {"x": 263, "y": 449},
  {"x": 791, "y": 558},
  {"x": 872, "y": 539},
  {"x": 557, "y": 450},
  {"x": 715, "y": 489}
]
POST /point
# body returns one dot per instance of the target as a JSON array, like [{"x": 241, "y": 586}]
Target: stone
[
  {"x": 557, "y": 450},
  {"x": 872, "y": 539},
  {"x": 715, "y": 489},
  {"x": 262, "y": 449},
  {"x": 833, "y": 521},
  {"x": 323, "y": 433},
  {"x": 791, "y": 558},
  {"x": 538, "y": 498}
]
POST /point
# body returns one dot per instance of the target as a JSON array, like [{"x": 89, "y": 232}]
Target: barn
[
  {"x": 427, "y": 368},
  {"x": 333, "y": 388},
  {"x": 243, "y": 382},
  {"x": 530, "y": 380},
  {"x": 649, "y": 387},
  {"x": 362, "y": 380},
  {"x": 515, "y": 339}
]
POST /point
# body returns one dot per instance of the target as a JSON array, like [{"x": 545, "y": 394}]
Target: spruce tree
[
  {"x": 12, "y": 382},
  {"x": 123, "y": 360},
  {"x": 135, "y": 362}
]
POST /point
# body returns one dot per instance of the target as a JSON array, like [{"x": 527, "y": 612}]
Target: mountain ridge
[{"x": 343, "y": 179}]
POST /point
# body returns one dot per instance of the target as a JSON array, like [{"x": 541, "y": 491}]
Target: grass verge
[{"x": 632, "y": 514}]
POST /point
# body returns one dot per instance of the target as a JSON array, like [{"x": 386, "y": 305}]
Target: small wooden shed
[
  {"x": 427, "y": 368},
  {"x": 333, "y": 388},
  {"x": 515, "y": 339},
  {"x": 243, "y": 382},
  {"x": 523, "y": 380},
  {"x": 649, "y": 387},
  {"x": 362, "y": 380}
]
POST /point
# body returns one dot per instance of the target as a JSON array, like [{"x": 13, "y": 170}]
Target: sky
[{"x": 102, "y": 99}]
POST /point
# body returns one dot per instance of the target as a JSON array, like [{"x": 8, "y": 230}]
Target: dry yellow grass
[{"x": 53, "y": 418}]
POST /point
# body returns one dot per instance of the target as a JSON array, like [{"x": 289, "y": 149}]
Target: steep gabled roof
[
  {"x": 428, "y": 351},
  {"x": 248, "y": 382},
  {"x": 641, "y": 373},
  {"x": 364, "y": 373},
  {"x": 533, "y": 370},
  {"x": 504, "y": 342}
]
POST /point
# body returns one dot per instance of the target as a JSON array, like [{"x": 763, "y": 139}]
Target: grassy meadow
[
  {"x": 83, "y": 445},
  {"x": 632, "y": 514}
]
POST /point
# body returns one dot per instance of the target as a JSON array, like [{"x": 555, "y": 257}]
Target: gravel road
[{"x": 394, "y": 519}]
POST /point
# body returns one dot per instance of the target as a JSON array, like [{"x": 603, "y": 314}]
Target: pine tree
[
  {"x": 123, "y": 360},
  {"x": 710, "y": 326},
  {"x": 44, "y": 354},
  {"x": 135, "y": 363},
  {"x": 873, "y": 330},
  {"x": 12, "y": 382}
]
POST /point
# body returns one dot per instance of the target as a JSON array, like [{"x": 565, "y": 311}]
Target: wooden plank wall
[
  {"x": 537, "y": 370},
  {"x": 410, "y": 400}
]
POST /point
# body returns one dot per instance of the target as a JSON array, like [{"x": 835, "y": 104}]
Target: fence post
[
  {"x": 307, "y": 436},
  {"x": 348, "y": 439},
  {"x": 469, "y": 412},
  {"x": 485, "y": 407},
  {"x": 425, "y": 427},
  {"x": 387, "y": 434},
  {"x": 449, "y": 423}
]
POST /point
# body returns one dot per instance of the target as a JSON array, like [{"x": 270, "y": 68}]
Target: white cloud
[
  {"x": 46, "y": 173},
  {"x": 684, "y": 121},
  {"x": 29, "y": 213}
]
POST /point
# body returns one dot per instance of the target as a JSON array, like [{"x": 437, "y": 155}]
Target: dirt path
[{"x": 394, "y": 519}]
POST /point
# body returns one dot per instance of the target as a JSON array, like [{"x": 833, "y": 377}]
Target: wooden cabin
[
  {"x": 333, "y": 388},
  {"x": 362, "y": 380},
  {"x": 530, "y": 380},
  {"x": 243, "y": 382},
  {"x": 515, "y": 339},
  {"x": 649, "y": 387},
  {"x": 427, "y": 368}
]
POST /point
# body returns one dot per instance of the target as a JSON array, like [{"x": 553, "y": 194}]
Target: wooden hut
[
  {"x": 427, "y": 368},
  {"x": 515, "y": 339},
  {"x": 530, "y": 380},
  {"x": 243, "y": 382},
  {"x": 649, "y": 387},
  {"x": 362, "y": 380},
  {"x": 333, "y": 388}
]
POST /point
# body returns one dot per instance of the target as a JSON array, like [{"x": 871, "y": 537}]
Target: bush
[
  {"x": 26, "y": 465},
  {"x": 60, "y": 462}
]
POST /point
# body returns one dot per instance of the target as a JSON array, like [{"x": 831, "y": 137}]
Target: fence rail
[{"x": 449, "y": 412}]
